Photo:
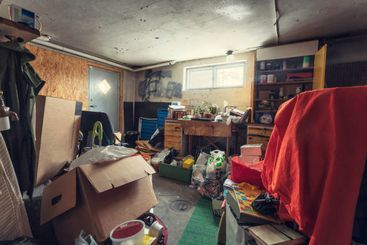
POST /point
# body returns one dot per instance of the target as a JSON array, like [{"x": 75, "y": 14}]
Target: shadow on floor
[{"x": 168, "y": 191}]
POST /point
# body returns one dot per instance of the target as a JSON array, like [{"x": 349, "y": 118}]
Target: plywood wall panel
[{"x": 66, "y": 76}]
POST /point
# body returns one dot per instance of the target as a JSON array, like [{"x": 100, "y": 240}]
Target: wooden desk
[
  {"x": 258, "y": 133},
  {"x": 207, "y": 129}
]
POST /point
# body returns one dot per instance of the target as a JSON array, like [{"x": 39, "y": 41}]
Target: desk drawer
[
  {"x": 259, "y": 131},
  {"x": 209, "y": 129},
  {"x": 257, "y": 140},
  {"x": 173, "y": 139},
  {"x": 173, "y": 132}
]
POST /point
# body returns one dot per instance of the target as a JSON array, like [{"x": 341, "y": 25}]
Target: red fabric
[
  {"x": 249, "y": 173},
  {"x": 315, "y": 161}
]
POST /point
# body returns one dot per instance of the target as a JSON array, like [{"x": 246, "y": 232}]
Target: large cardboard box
[
  {"x": 57, "y": 127},
  {"x": 97, "y": 197}
]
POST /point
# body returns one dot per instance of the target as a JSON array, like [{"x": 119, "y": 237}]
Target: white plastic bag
[{"x": 103, "y": 154}]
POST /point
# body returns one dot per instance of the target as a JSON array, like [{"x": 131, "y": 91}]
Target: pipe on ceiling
[{"x": 94, "y": 58}]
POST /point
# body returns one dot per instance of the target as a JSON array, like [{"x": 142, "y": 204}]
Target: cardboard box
[
  {"x": 57, "y": 127},
  {"x": 251, "y": 150},
  {"x": 275, "y": 234},
  {"x": 235, "y": 233},
  {"x": 97, "y": 197}
]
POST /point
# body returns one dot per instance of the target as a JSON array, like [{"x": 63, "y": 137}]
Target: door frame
[{"x": 120, "y": 92}]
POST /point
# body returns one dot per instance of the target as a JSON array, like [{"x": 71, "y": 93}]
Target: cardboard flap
[
  {"x": 108, "y": 175},
  {"x": 57, "y": 126},
  {"x": 59, "y": 196}
]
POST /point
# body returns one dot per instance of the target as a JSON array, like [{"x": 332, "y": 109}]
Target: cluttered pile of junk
[
  {"x": 306, "y": 186},
  {"x": 60, "y": 182}
]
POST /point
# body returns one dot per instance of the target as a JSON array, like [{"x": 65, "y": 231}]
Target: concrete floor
[{"x": 168, "y": 191}]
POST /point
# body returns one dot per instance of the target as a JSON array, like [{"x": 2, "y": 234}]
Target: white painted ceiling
[{"x": 144, "y": 32}]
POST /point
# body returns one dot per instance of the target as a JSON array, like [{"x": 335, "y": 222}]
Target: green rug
[{"x": 202, "y": 227}]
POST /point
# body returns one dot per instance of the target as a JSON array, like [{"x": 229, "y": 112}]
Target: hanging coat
[
  {"x": 315, "y": 161},
  {"x": 20, "y": 85}
]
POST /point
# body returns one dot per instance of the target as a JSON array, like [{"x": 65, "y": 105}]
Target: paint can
[
  {"x": 155, "y": 229},
  {"x": 130, "y": 232}
]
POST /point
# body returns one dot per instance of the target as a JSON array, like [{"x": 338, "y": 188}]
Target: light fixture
[
  {"x": 104, "y": 86},
  {"x": 230, "y": 56}
]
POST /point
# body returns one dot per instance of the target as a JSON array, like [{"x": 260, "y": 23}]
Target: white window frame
[{"x": 214, "y": 67}]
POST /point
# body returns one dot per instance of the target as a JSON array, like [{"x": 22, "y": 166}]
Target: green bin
[{"x": 174, "y": 172}]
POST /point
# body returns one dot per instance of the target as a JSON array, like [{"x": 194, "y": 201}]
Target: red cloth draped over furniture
[{"x": 315, "y": 160}]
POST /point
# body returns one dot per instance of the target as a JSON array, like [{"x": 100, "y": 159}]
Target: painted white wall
[{"x": 240, "y": 97}]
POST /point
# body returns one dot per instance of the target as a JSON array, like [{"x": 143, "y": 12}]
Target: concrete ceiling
[{"x": 144, "y": 32}]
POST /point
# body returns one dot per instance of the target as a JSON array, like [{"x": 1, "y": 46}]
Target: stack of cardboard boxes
[{"x": 95, "y": 197}]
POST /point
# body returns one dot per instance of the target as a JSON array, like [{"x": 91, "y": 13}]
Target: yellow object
[
  {"x": 187, "y": 162},
  {"x": 148, "y": 240},
  {"x": 319, "y": 68},
  {"x": 97, "y": 132}
]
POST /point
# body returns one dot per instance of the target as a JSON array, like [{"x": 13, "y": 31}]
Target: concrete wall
[{"x": 240, "y": 97}]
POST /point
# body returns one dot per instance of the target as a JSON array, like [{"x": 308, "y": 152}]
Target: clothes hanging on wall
[
  {"x": 13, "y": 217},
  {"x": 20, "y": 84},
  {"x": 315, "y": 161}
]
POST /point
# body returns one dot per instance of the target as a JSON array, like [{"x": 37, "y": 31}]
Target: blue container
[
  {"x": 161, "y": 117},
  {"x": 147, "y": 126}
]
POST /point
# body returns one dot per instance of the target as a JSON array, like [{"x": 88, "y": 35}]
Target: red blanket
[{"x": 315, "y": 161}]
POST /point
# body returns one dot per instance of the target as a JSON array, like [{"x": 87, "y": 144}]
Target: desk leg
[
  {"x": 190, "y": 144},
  {"x": 227, "y": 146}
]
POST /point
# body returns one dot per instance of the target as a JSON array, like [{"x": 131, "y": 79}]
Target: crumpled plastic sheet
[{"x": 102, "y": 154}]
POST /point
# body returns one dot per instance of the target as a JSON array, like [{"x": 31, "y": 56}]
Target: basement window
[{"x": 215, "y": 76}]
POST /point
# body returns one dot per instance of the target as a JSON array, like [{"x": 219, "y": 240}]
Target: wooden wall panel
[{"x": 66, "y": 76}]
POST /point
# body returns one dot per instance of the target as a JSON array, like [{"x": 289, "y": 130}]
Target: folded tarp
[{"x": 315, "y": 160}]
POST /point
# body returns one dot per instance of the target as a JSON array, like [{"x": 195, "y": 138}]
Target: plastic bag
[
  {"x": 216, "y": 163},
  {"x": 198, "y": 169},
  {"x": 103, "y": 154},
  {"x": 85, "y": 239}
]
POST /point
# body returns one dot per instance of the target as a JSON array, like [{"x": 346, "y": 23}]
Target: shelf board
[
  {"x": 283, "y": 83},
  {"x": 272, "y": 100},
  {"x": 17, "y": 31},
  {"x": 285, "y": 70}
]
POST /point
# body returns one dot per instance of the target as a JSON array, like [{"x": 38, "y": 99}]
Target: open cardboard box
[
  {"x": 95, "y": 197},
  {"x": 98, "y": 197}
]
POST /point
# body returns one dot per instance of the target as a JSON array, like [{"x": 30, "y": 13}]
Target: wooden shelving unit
[
  {"x": 16, "y": 31},
  {"x": 277, "y": 81},
  {"x": 282, "y": 83}
]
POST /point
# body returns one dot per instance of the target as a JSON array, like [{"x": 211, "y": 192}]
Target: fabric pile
[
  {"x": 21, "y": 85},
  {"x": 315, "y": 161}
]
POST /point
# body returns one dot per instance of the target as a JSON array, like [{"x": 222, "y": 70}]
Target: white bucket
[{"x": 128, "y": 233}]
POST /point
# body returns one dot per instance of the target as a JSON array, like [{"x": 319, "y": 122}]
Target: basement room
[{"x": 183, "y": 122}]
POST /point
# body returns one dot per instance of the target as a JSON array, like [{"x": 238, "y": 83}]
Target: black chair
[{"x": 86, "y": 125}]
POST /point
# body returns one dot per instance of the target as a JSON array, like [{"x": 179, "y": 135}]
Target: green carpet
[{"x": 202, "y": 227}]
